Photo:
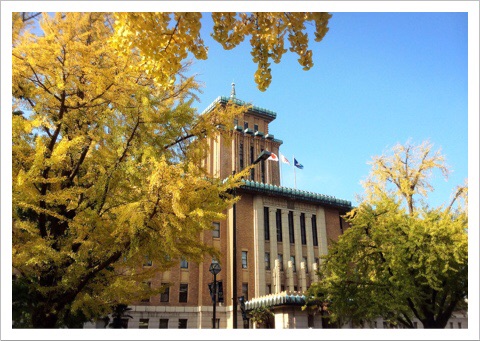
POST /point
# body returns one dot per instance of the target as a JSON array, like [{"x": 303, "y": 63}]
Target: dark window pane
[
  {"x": 279, "y": 225},
  {"x": 314, "y": 230},
  {"x": 291, "y": 233},
  {"x": 244, "y": 260},
  {"x": 163, "y": 324},
  {"x": 182, "y": 323},
  {"x": 183, "y": 295},
  {"x": 216, "y": 230},
  {"x": 165, "y": 296},
  {"x": 302, "y": 229},
  {"x": 143, "y": 324},
  {"x": 266, "y": 223}
]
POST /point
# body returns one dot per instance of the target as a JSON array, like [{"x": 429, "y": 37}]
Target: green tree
[
  {"x": 107, "y": 156},
  {"x": 262, "y": 316},
  {"x": 400, "y": 258}
]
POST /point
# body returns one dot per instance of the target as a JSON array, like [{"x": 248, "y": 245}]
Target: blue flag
[{"x": 298, "y": 165}]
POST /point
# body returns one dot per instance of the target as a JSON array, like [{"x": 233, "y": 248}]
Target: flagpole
[
  {"x": 294, "y": 172},
  {"x": 280, "y": 169}
]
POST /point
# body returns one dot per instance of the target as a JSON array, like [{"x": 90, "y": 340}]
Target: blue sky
[{"x": 378, "y": 79}]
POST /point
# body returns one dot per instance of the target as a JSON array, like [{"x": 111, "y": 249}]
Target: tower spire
[{"x": 232, "y": 94}]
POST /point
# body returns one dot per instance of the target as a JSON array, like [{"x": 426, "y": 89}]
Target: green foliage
[
  {"x": 398, "y": 260},
  {"x": 261, "y": 316},
  {"x": 106, "y": 170}
]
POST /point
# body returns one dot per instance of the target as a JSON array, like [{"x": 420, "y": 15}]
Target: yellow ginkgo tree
[
  {"x": 107, "y": 152},
  {"x": 400, "y": 259}
]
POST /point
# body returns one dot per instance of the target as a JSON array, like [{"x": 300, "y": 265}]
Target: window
[
  {"x": 304, "y": 259},
  {"x": 266, "y": 223},
  {"x": 245, "y": 290},
  {"x": 252, "y": 171},
  {"x": 244, "y": 260},
  {"x": 182, "y": 323},
  {"x": 245, "y": 125},
  {"x": 163, "y": 324},
  {"x": 216, "y": 230},
  {"x": 262, "y": 168},
  {"x": 255, "y": 127},
  {"x": 292, "y": 258},
  {"x": 279, "y": 225},
  {"x": 459, "y": 325},
  {"x": 302, "y": 229},
  {"x": 267, "y": 260},
  {"x": 148, "y": 261},
  {"x": 291, "y": 233},
  {"x": 295, "y": 288},
  {"x": 280, "y": 260},
  {"x": 183, "y": 294},
  {"x": 314, "y": 230},
  {"x": 147, "y": 299},
  {"x": 269, "y": 289},
  {"x": 240, "y": 156},
  {"x": 143, "y": 324},
  {"x": 183, "y": 264},
  {"x": 165, "y": 296},
  {"x": 282, "y": 287}
]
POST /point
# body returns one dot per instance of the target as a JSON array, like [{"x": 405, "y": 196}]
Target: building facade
[{"x": 271, "y": 242}]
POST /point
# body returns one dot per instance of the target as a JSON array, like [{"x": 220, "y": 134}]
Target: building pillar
[
  {"x": 259, "y": 247},
  {"x": 290, "y": 282},
  {"x": 298, "y": 239},
  {"x": 273, "y": 237},
  {"x": 321, "y": 233},
  {"x": 276, "y": 281},
  {"x": 302, "y": 277},
  {"x": 310, "y": 253},
  {"x": 286, "y": 242}
]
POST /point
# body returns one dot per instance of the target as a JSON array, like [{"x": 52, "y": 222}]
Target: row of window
[
  {"x": 245, "y": 125},
  {"x": 182, "y": 324},
  {"x": 182, "y": 294},
  {"x": 291, "y": 227},
  {"x": 183, "y": 263},
  {"x": 280, "y": 258},
  {"x": 252, "y": 159}
]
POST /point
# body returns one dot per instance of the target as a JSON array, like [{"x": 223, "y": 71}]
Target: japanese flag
[{"x": 273, "y": 157}]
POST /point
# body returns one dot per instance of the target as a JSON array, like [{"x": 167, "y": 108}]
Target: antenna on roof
[{"x": 232, "y": 94}]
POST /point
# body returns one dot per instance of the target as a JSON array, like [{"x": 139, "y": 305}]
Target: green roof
[
  {"x": 283, "y": 298},
  {"x": 295, "y": 194},
  {"x": 268, "y": 114}
]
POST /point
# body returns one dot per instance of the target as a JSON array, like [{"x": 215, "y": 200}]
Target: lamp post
[
  {"x": 262, "y": 157},
  {"x": 214, "y": 269}
]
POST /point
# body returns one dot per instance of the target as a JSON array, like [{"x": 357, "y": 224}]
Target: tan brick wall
[{"x": 333, "y": 224}]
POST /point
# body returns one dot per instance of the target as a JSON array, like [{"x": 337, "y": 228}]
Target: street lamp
[
  {"x": 262, "y": 157},
  {"x": 214, "y": 269}
]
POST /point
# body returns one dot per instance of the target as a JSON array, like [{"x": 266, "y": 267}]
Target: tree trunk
[
  {"x": 43, "y": 317},
  {"x": 432, "y": 324}
]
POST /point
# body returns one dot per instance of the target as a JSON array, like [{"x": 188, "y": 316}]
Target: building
[
  {"x": 280, "y": 234},
  {"x": 271, "y": 243}
]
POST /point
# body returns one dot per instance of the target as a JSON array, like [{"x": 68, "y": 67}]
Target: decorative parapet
[
  {"x": 295, "y": 194},
  {"x": 269, "y": 136},
  {"x": 271, "y": 115},
  {"x": 282, "y": 298}
]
